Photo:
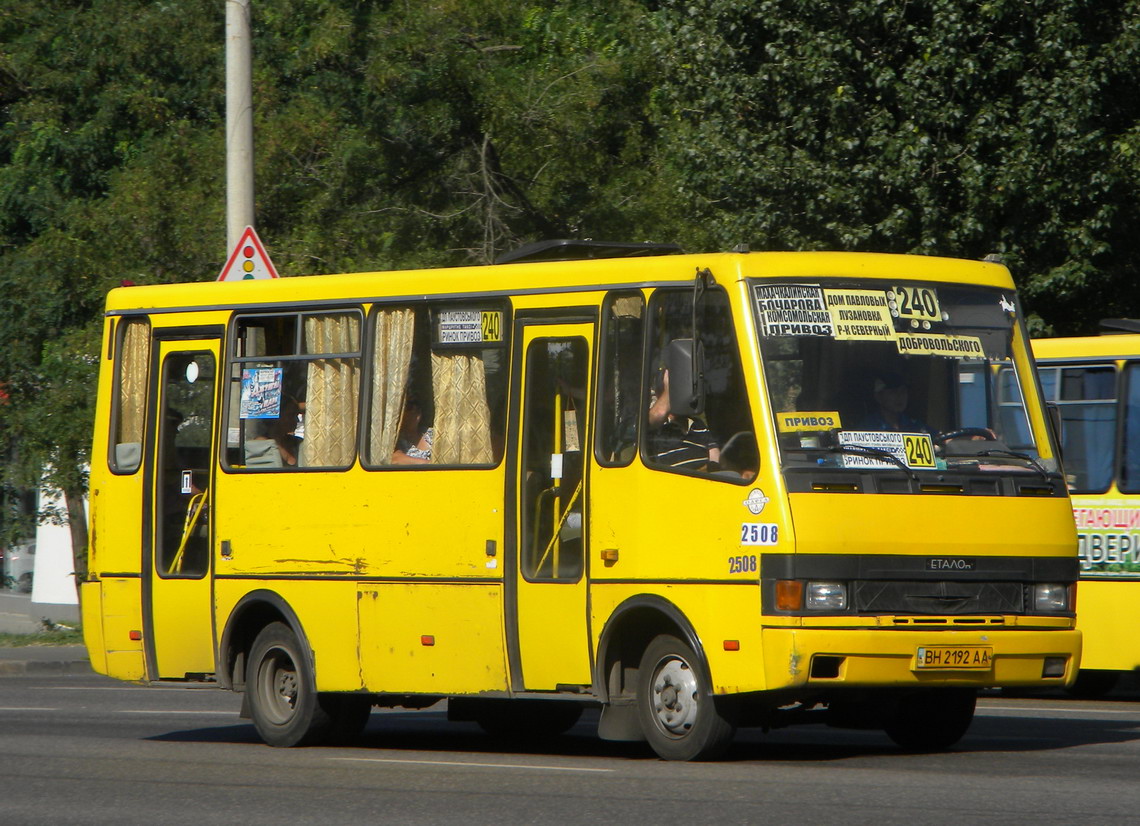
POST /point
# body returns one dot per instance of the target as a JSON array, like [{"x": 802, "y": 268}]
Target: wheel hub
[
  {"x": 675, "y": 697},
  {"x": 287, "y": 687}
]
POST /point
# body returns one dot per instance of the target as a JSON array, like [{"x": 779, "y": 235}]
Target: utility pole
[{"x": 239, "y": 122}]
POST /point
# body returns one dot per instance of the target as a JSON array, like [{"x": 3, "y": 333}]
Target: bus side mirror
[
  {"x": 1057, "y": 424},
  {"x": 686, "y": 367}
]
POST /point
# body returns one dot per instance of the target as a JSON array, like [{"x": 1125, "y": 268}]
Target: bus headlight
[
  {"x": 1050, "y": 597},
  {"x": 826, "y": 596}
]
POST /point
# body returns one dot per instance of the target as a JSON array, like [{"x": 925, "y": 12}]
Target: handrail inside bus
[
  {"x": 554, "y": 535},
  {"x": 193, "y": 511}
]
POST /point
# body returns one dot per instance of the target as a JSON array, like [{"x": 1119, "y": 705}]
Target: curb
[{"x": 14, "y": 668}]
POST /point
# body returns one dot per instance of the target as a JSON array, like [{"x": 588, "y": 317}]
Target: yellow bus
[
  {"x": 679, "y": 489},
  {"x": 1095, "y": 383}
]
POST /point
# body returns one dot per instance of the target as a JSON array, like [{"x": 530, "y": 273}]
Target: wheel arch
[
  {"x": 252, "y": 613},
  {"x": 626, "y": 635}
]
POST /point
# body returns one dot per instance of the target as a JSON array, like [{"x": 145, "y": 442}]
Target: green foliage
[
  {"x": 935, "y": 127},
  {"x": 53, "y": 634},
  {"x": 446, "y": 132}
]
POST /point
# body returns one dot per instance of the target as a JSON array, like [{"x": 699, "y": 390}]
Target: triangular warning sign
[{"x": 248, "y": 261}]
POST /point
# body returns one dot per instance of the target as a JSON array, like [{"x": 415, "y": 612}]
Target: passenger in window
[
  {"x": 679, "y": 441},
  {"x": 414, "y": 442},
  {"x": 282, "y": 432}
]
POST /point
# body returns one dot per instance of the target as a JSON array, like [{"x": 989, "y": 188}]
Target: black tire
[
  {"x": 526, "y": 720},
  {"x": 932, "y": 719},
  {"x": 1092, "y": 684},
  {"x": 680, "y": 717},
  {"x": 286, "y": 709}
]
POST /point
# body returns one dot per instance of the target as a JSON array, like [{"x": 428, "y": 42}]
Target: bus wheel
[
  {"x": 1091, "y": 684},
  {"x": 678, "y": 713},
  {"x": 931, "y": 720},
  {"x": 282, "y": 702}
]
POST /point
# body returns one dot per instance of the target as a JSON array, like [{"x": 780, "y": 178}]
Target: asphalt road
[{"x": 87, "y": 750}]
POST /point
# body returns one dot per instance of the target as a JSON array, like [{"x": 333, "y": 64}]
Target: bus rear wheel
[
  {"x": 931, "y": 720},
  {"x": 286, "y": 709},
  {"x": 675, "y": 705}
]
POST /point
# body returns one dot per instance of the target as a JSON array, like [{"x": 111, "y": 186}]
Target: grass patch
[{"x": 56, "y": 636}]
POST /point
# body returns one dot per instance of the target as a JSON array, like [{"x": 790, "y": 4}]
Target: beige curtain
[
  {"x": 462, "y": 418},
  {"x": 333, "y": 387},
  {"x": 390, "y": 366},
  {"x": 134, "y": 367}
]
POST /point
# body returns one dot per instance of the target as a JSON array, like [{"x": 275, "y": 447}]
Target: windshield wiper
[
  {"x": 873, "y": 453},
  {"x": 1013, "y": 454}
]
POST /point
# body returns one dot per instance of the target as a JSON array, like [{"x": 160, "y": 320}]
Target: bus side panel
[
  {"x": 723, "y": 617},
  {"x": 1111, "y": 642},
  {"x": 668, "y": 527},
  {"x": 318, "y": 538},
  {"x": 119, "y": 600},
  {"x": 326, "y": 612},
  {"x": 359, "y": 524},
  {"x": 91, "y": 608},
  {"x": 116, "y": 500},
  {"x": 434, "y": 639}
]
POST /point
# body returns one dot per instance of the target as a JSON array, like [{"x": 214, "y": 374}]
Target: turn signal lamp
[{"x": 789, "y": 595}]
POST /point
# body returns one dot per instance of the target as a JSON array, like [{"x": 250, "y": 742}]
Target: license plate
[{"x": 944, "y": 657}]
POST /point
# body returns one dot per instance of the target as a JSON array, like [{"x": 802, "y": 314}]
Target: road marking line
[
  {"x": 182, "y": 689},
  {"x": 473, "y": 765},
  {"x": 1057, "y": 712},
  {"x": 176, "y": 711}
]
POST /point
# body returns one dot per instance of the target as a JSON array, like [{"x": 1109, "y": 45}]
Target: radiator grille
[{"x": 939, "y": 597}]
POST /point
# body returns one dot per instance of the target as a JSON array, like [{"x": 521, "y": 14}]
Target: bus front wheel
[
  {"x": 931, "y": 720},
  {"x": 286, "y": 709},
  {"x": 675, "y": 705}
]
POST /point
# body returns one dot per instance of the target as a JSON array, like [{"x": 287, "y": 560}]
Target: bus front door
[
  {"x": 179, "y": 620},
  {"x": 550, "y": 627}
]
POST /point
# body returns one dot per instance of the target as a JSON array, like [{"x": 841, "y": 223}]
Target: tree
[
  {"x": 933, "y": 127},
  {"x": 428, "y": 134},
  {"x": 387, "y": 135}
]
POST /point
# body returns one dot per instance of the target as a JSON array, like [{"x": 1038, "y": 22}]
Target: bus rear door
[{"x": 176, "y": 570}]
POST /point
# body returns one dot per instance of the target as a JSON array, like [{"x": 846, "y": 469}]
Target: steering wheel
[{"x": 966, "y": 432}]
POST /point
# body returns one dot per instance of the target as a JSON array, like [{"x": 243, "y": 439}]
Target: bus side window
[
  {"x": 1130, "y": 449},
  {"x": 294, "y": 391},
  {"x": 128, "y": 417},
  {"x": 623, "y": 325},
  {"x": 434, "y": 401},
  {"x": 675, "y": 442}
]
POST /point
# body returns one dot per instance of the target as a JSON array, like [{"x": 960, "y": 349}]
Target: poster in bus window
[
  {"x": 260, "y": 393},
  {"x": 1108, "y": 538},
  {"x": 793, "y": 310},
  {"x": 467, "y": 327}
]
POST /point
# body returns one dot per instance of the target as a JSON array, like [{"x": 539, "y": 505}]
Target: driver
[{"x": 888, "y": 412}]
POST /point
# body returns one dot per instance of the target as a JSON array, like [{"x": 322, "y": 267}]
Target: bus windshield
[{"x": 904, "y": 378}]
